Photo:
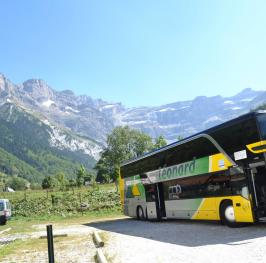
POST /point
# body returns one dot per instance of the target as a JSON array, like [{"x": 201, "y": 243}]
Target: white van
[{"x": 5, "y": 211}]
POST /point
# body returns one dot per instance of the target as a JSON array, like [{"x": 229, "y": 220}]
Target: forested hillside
[{"x": 26, "y": 150}]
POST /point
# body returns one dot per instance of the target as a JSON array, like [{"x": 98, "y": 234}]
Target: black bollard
[{"x": 50, "y": 241}]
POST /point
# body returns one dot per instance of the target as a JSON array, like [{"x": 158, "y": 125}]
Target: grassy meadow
[{"x": 75, "y": 202}]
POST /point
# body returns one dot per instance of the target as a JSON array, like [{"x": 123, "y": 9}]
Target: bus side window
[
  {"x": 174, "y": 192},
  {"x": 150, "y": 193}
]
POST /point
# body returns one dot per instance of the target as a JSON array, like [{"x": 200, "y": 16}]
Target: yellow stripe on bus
[
  {"x": 122, "y": 190},
  {"x": 209, "y": 209}
]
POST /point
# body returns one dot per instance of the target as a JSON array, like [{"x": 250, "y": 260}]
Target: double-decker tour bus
[{"x": 218, "y": 174}]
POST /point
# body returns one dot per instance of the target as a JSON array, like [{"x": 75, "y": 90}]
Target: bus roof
[{"x": 217, "y": 127}]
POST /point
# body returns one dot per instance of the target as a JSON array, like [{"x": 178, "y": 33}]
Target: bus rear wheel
[
  {"x": 140, "y": 213},
  {"x": 227, "y": 214}
]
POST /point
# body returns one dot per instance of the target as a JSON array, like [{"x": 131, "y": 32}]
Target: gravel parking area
[
  {"x": 77, "y": 247},
  {"x": 129, "y": 240},
  {"x": 182, "y": 241}
]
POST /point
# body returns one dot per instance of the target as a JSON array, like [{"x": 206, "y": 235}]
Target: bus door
[
  {"x": 151, "y": 193},
  {"x": 160, "y": 205},
  {"x": 258, "y": 181},
  {"x": 155, "y": 201}
]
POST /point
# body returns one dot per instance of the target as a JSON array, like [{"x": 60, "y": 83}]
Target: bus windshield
[{"x": 262, "y": 125}]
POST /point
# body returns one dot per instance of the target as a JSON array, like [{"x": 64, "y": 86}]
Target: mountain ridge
[{"x": 95, "y": 118}]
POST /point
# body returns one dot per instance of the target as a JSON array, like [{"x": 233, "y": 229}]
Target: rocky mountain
[
  {"x": 188, "y": 117},
  {"x": 78, "y": 113},
  {"x": 96, "y": 118}
]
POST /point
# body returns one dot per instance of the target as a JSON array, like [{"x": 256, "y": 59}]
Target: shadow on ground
[{"x": 181, "y": 232}]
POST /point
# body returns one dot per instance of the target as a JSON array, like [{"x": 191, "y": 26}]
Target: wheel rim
[{"x": 230, "y": 213}]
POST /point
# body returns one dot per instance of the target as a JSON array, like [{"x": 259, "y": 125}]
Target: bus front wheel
[
  {"x": 140, "y": 213},
  {"x": 227, "y": 214}
]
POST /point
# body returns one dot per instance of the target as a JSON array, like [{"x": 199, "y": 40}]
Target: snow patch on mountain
[
  {"x": 46, "y": 122},
  {"x": 67, "y": 108},
  {"x": 136, "y": 122},
  {"x": 248, "y": 99},
  {"x": 236, "y": 108},
  {"x": 166, "y": 109},
  {"x": 228, "y": 102},
  {"x": 48, "y": 103},
  {"x": 108, "y": 106}
]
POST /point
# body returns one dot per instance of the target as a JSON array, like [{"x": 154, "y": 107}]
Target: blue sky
[{"x": 136, "y": 52}]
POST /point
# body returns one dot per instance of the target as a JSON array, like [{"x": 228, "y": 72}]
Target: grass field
[{"x": 64, "y": 208}]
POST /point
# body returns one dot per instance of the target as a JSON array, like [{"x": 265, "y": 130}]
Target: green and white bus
[{"x": 218, "y": 174}]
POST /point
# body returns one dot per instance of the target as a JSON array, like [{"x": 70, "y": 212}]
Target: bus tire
[
  {"x": 140, "y": 213},
  {"x": 227, "y": 214}
]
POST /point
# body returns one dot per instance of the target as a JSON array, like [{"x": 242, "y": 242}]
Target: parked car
[{"x": 5, "y": 211}]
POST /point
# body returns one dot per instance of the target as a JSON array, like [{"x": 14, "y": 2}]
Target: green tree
[
  {"x": 72, "y": 183},
  {"x": 107, "y": 178},
  {"x": 104, "y": 167},
  {"x": 122, "y": 144},
  {"x": 160, "y": 142},
  {"x": 142, "y": 143},
  {"x": 17, "y": 183},
  {"x": 48, "y": 182},
  {"x": 80, "y": 179},
  {"x": 62, "y": 181},
  {"x": 3, "y": 180},
  {"x": 88, "y": 177},
  {"x": 125, "y": 143}
]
